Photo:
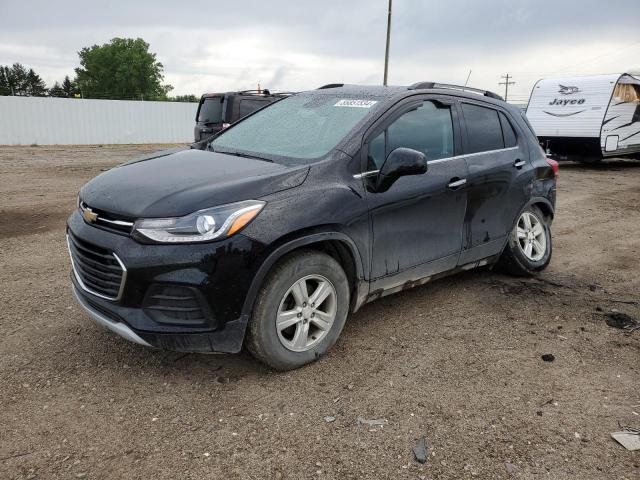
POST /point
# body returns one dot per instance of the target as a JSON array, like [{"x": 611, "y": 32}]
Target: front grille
[
  {"x": 176, "y": 304},
  {"x": 97, "y": 270}
]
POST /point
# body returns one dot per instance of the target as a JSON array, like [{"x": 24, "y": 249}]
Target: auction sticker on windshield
[{"x": 356, "y": 103}]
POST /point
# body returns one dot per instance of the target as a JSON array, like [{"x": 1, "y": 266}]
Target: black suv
[
  {"x": 216, "y": 111},
  {"x": 304, "y": 211}
]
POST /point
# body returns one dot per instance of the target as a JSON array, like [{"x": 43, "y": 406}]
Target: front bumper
[
  {"x": 219, "y": 274},
  {"x": 120, "y": 328}
]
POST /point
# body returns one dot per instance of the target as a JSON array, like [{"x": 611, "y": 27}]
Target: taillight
[{"x": 554, "y": 165}]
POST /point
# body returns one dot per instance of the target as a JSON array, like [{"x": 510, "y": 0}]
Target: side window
[
  {"x": 483, "y": 128},
  {"x": 376, "y": 152},
  {"x": 427, "y": 128},
  {"x": 625, "y": 92},
  {"x": 249, "y": 106},
  {"x": 507, "y": 132}
]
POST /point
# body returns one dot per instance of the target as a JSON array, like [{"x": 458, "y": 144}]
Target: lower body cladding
[{"x": 187, "y": 298}]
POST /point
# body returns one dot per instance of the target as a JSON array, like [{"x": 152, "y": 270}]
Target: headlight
[{"x": 201, "y": 226}]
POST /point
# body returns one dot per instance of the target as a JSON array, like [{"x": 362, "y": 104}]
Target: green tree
[
  {"x": 57, "y": 91},
  {"x": 70, "y": 88},
  {"x": 34, "y": 85},
  {"x": 184, "y": 98},
  {"x": 5, "y": 88},
  {"x": 123, "y": 68},
  {"x": 17, "y": 80}
]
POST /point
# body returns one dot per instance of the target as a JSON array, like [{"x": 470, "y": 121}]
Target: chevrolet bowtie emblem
[{"x": 89, "y": 215}]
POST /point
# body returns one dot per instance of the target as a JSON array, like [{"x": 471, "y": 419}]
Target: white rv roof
[
  {"x": 571, "y": 106},
  {"x": 627, "y": 78}
]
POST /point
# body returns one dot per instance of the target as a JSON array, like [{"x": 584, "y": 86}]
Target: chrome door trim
[{"x": 371, "y": 173}]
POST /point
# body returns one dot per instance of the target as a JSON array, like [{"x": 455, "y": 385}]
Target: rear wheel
[
  {"x": 300, "y": 310},
  {"x": 529, "y": 248}
]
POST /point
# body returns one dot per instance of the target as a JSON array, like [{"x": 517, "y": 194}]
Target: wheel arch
[
  {"x": 542, "y": 203},
  {"x": 336, "y": 244}
]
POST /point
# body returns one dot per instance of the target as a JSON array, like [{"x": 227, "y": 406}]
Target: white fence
[{"x": 62, "y": 121}]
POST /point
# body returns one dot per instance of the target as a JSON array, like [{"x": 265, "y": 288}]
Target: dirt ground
[{"x": 457, "y": 361}]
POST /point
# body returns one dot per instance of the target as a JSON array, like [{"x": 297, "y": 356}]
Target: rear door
[
  {"x": 416, "y": 224},
  {"x": 498, "y": 180}
]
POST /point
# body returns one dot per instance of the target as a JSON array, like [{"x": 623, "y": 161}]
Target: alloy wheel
[
  {"x": 532, "y": 239},
  {"x": 306, "y": 313}
]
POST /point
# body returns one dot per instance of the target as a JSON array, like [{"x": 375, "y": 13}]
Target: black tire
[
  {"x": 262, "y": 337},
  {"x": 513, "y": 259}
]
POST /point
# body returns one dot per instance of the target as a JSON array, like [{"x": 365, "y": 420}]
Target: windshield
[
  {"x": 297, "y": 127},
  {"x": 211, "y": 110}
]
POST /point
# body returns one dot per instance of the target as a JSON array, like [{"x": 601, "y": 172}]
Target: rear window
[
  {"x": 483, "y": 128},
  {"x": 507, "y": 130},
  {"x": 250, "y": 106},
  {"x": 210, "y": 110}
]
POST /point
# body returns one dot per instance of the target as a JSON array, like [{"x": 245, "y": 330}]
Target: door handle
[
  {"x": 456, "y": 183},
  {"x": 519, "y": 164}
]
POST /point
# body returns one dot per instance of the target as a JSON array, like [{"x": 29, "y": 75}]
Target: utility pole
[
  {"x": 506, "y": 84},
  {"x": 386, "y": 52}
]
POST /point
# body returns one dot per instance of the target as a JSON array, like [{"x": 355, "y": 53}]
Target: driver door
[{"x": 417, "y": 224}]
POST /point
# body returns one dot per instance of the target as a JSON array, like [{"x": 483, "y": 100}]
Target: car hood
[{"x": 183, "y": 182}]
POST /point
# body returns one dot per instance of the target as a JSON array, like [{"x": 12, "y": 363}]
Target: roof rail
[
  {"x": 331, "y": 85},
  {"x": 430, "y": 85},
  {"x": 264, "y": 91},
  {"x": 421, "y": 86}
]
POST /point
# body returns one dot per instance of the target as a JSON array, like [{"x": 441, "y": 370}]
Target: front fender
[{"x": 308, "y": 239}]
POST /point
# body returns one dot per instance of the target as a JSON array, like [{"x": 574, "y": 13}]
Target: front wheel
[
  {"x": 529, "y": 247},
  {"x": 300, "y": 311}
]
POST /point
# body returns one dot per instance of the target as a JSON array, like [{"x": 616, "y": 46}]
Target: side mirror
[{"x": 400, "y": 162}]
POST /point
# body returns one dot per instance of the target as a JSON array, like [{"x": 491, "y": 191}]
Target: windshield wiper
[{"x": 242, "y": 154}]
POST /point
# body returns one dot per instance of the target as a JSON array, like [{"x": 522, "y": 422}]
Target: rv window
[
  {"x": 626, "y": 92},
  {"x": 483, "y": 128},
  {"x": 507, "y": 132}
]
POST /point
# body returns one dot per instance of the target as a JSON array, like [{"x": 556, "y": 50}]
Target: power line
[{"x": 506, "y": 84}]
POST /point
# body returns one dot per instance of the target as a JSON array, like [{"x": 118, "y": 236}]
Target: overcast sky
[{"x": 297, "y": 45}]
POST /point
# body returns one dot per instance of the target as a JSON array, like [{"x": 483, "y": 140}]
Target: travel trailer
[{"x": 587, "y": 118}]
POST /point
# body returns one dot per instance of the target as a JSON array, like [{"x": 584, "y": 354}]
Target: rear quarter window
[
  {"x": 508, "y": 133},
  {"x": 250, "y": 106},
  {"x": 484, "y": 131}
]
